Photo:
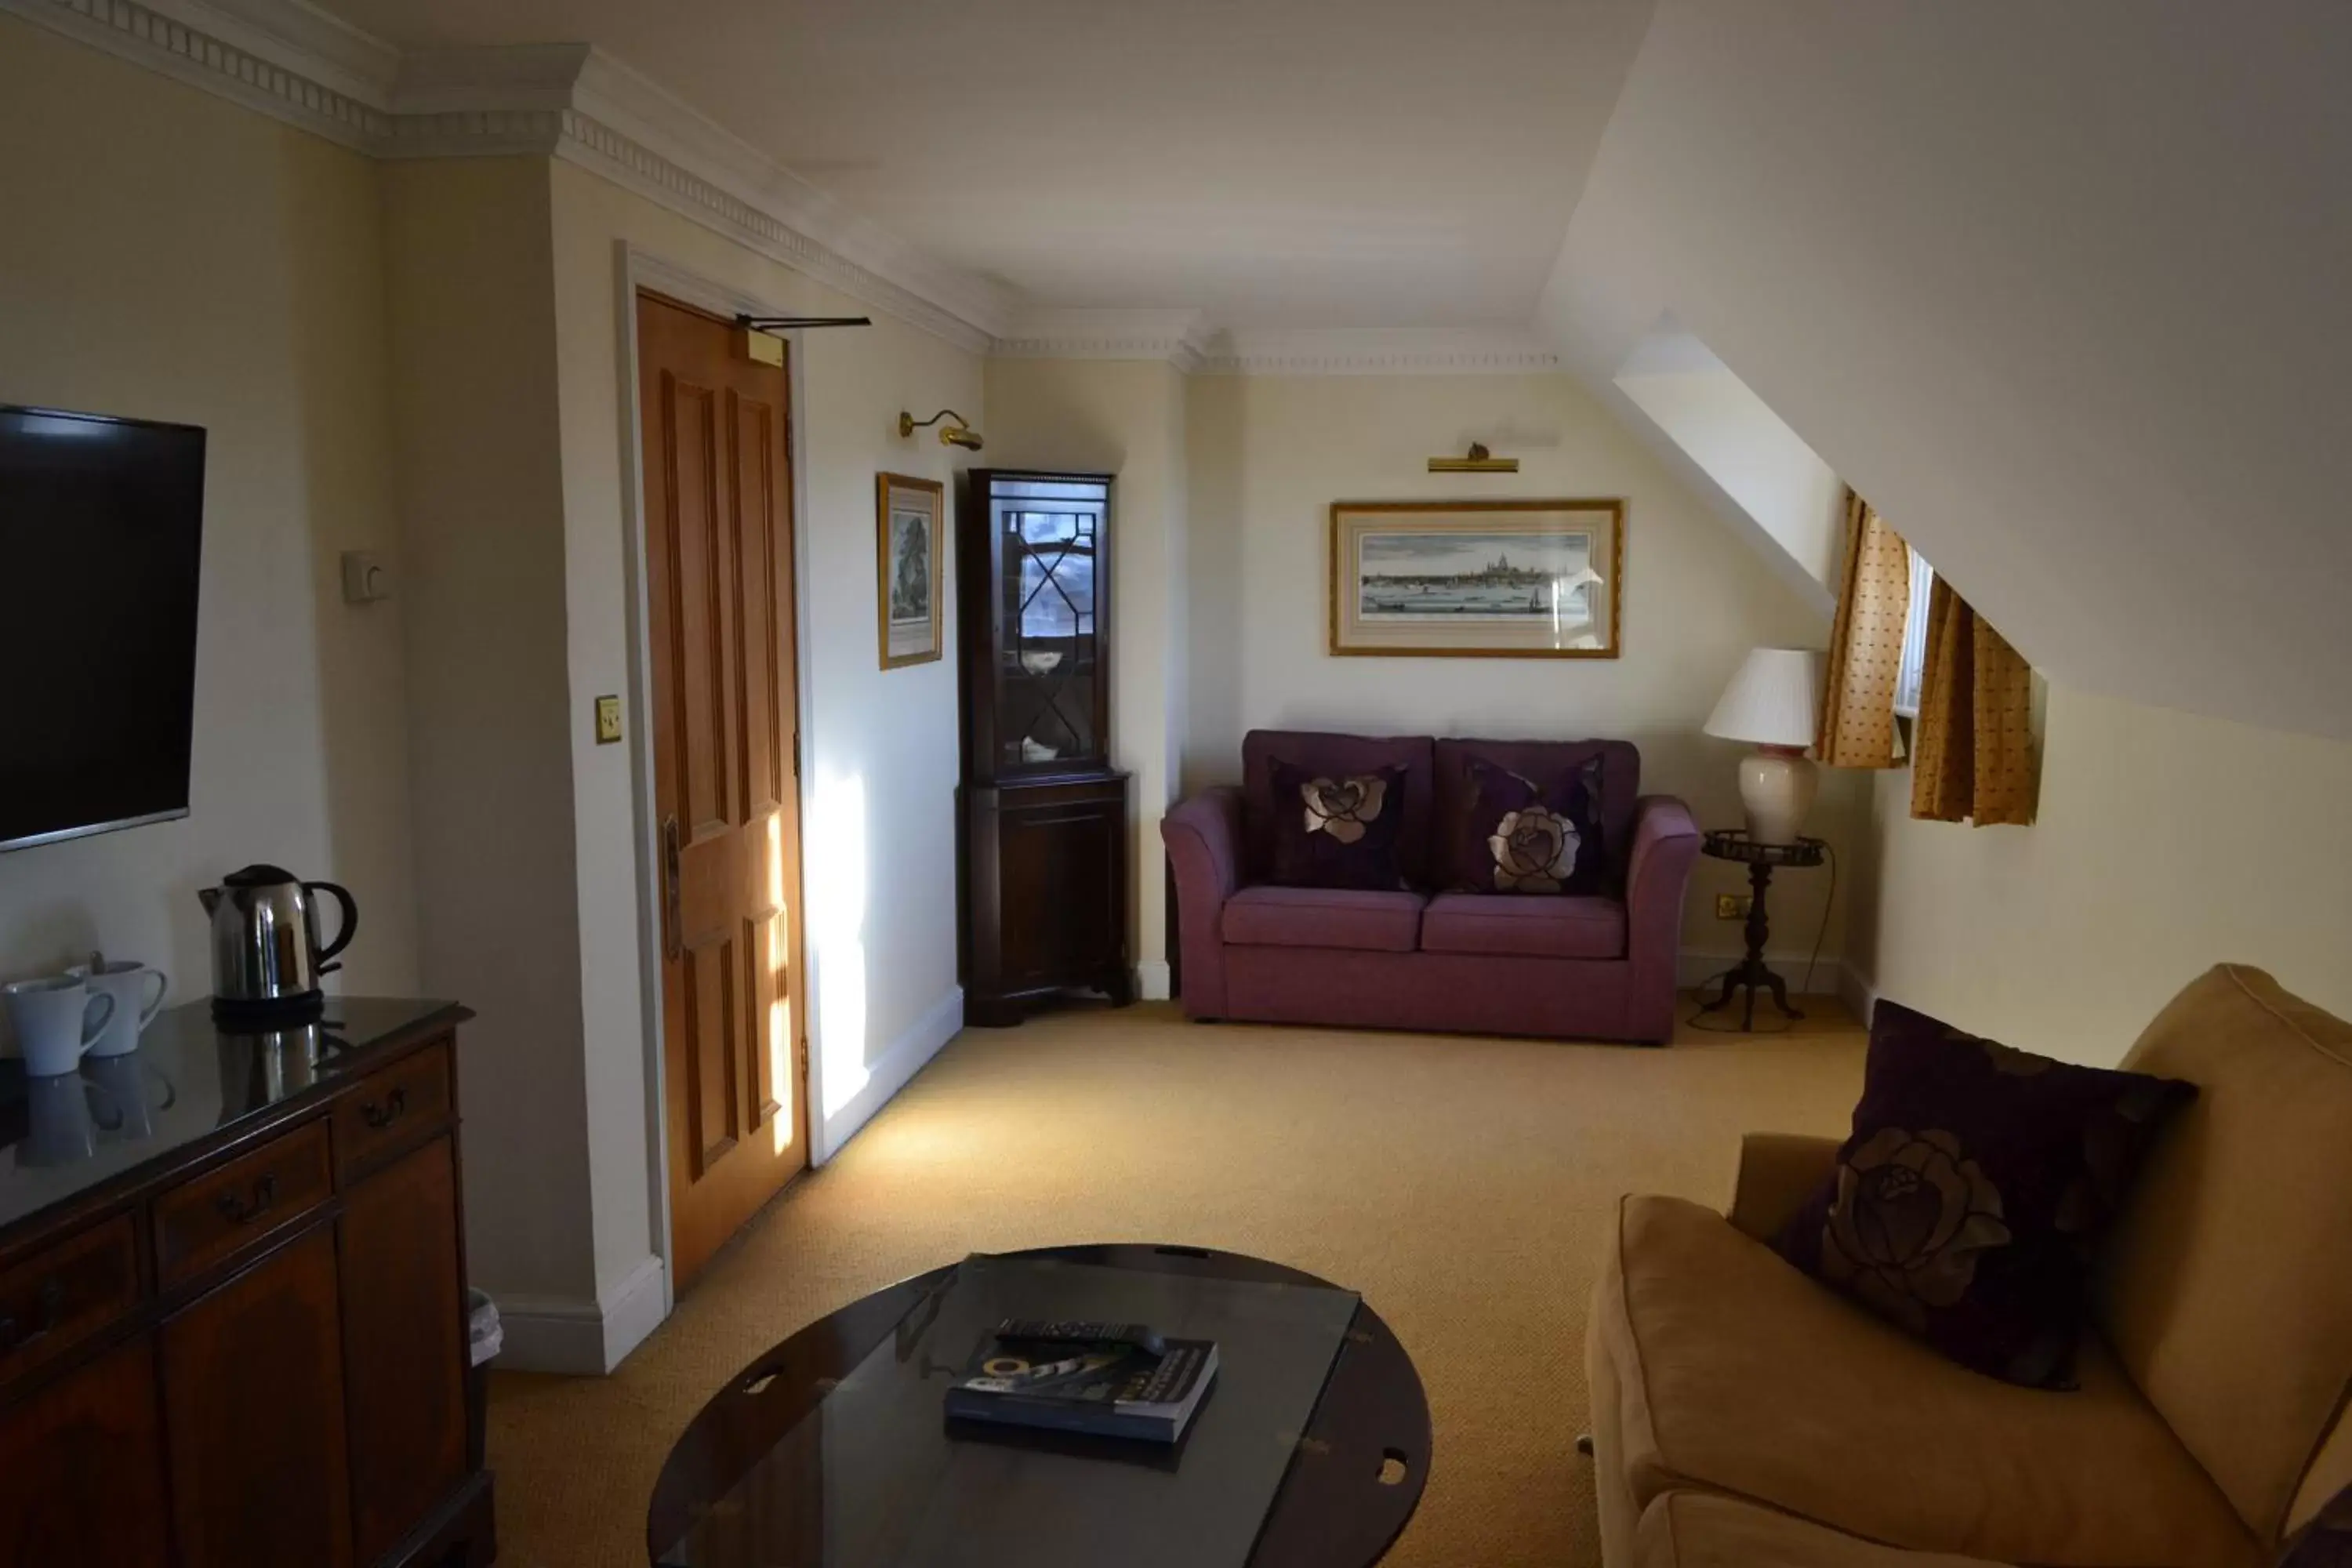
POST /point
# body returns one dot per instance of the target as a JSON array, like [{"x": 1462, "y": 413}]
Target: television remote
[{"x": 1071, "y": 1331}]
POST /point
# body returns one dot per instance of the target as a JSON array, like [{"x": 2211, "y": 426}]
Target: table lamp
[{"x": 1770, "y": 703}]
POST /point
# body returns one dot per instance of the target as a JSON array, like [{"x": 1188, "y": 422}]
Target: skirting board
[
  {"x": 583, "y": 1339},
  {"x": 885, "y": 1077},
  {"x": 1151, "y": 980},
  {"x": 1692, "y": 969}
]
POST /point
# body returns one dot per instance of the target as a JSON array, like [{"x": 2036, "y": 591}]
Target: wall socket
[
  {"x": 608, "y": 719},
  {"x": 1733, "y": 906}
]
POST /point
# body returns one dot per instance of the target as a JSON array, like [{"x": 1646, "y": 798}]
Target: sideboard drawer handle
[
  {"x": 13, "y": 1336},
  {"x": 244, "y": 1211},
  {"x": 382, "y": 1116}
]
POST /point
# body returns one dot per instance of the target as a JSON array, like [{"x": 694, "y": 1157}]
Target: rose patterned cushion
[
  {"x": 1965, "y": 1204},
  {"x": 1338, "y": 832},
  {"x": 1514, "y": 835}
]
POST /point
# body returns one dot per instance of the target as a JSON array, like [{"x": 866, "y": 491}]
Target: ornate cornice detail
[
  {"x": 1380, "y": 350},
  {"x": 1177, "y": 337}
]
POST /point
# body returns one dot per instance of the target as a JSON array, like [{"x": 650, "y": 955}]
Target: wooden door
[
  {"x": 719, "y": 548},
  {"x": 253, "y": 1406},
  {"x": 403, "y": 1345},
  {"x": 82, "y": 1469}
]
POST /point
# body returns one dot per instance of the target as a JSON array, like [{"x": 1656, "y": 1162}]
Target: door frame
[{"x": 640, "y": 269}]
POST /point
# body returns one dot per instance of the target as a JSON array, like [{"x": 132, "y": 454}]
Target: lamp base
[{"x": 1777, "y": 785}]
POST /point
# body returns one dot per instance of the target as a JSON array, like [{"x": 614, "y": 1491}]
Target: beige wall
[
  {"x": 2167, "y": 843},
  {"x": 1269, "y": 455},
  {"x": 1124, "y": 417},
  {"x": 166, "y": 255},
  {"x": 880, "y": 747}
]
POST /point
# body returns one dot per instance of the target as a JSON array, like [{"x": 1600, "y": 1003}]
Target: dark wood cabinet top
[{"x": 191, "y": 1091}]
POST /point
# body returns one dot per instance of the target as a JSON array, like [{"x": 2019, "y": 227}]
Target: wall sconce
[
  {"x": 956, "y": 434},
  {"x": 1479, "y": 461}
]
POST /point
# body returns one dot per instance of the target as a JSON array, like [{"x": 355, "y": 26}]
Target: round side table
[{"x": 1753, "y": 974}]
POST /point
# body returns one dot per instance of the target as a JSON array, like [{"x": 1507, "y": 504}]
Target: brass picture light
[
  {"x": 957, "y": 433},
  {"x": 1479, "y": 461}
]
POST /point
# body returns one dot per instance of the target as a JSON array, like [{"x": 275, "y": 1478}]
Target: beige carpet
[{"x": 1462, "y": 1186}]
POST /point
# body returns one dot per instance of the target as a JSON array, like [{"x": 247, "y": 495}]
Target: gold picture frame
[
  {"x": 1436, "y": 579},
  {"x": 909, "y": 535}
]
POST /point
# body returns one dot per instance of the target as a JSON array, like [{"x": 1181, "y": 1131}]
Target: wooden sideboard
[{"x": 232, "y": 1301}]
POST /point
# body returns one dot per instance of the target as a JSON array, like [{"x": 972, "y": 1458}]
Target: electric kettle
[{"x": 267, "y": 957}]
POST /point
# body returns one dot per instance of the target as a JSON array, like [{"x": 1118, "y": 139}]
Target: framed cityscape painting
[
  {"x": 1496, "y": 579},
  {"x": 909, "y": 523}
]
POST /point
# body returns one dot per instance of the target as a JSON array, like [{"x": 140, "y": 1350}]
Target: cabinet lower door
[
  {"x": 82, "y": 1469},
  {"x": 253, "y": 1402},
  {"x": 403, "y": 1345}
]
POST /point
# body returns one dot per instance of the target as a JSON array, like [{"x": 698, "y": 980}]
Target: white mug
[
  {"x": 123, "y": 979},
  {"x": 57, "y": 1018}
]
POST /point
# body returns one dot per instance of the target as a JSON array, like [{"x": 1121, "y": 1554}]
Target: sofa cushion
[
  {"x": 1317, "y": 753},
  {"x": 1978, "y": 1178},
  {"x": 1525, "y": 928},
  {"x": 1355, "y": 917},
  {"x": 1338, "y": 832},
  {"x": 1740, "y": 1375},
  {"x": 1516, "y": 834},
  {"x": 1701, "y": 1529},
  {"x": 2227, "y": 1282},
  {"x": 1621, "y": 781}
]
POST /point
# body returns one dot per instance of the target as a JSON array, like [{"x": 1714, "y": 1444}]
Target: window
[{"x": 1915, "y": 638}]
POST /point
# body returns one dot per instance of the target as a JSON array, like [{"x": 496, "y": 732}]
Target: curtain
[
  {"x": 1973, "y": 750},
  {"x": 1857, "y": 723}
]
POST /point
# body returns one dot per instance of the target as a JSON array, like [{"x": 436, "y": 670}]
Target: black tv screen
[{"x": 100, "y": 525}]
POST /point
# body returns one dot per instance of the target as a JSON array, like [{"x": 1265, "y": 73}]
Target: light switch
[
  {"x": 608, "y": 719},
  {"x": 366, "y": 578}
]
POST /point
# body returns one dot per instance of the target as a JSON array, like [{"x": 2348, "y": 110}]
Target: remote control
[{"x": 1074, "y": 1332}]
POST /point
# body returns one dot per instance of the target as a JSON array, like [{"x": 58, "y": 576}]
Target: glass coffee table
[{"x": 833, "y": 1451}]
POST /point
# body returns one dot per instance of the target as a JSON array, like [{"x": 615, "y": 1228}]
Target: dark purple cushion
[
  {"x": 1512, "y": 834},
  {"x": 1619, "y": 793},
  {"x": 1975, "y": 1183},
  {"x": 1338, "y": 832},
  {"x": 1335, "y": 756},
  {"x": 2326, "y": 1541}
]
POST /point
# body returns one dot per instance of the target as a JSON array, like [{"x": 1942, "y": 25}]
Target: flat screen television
[{"x": 101, "y": 527}]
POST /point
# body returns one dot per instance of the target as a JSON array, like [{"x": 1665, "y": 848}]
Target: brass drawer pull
[
  {"x": 244, "y": 1211},
  {"x": 13, "y": 1336},
  {"x": 380, "y": 1117}
]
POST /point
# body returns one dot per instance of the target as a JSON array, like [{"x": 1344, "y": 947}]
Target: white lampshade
[{"x": 1770, "y": 703}]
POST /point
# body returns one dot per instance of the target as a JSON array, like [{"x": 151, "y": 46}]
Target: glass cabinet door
[{"x": 1049, "y": 537}]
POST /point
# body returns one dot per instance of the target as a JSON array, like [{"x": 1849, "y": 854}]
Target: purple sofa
[{"x": 1587, "y": 968}]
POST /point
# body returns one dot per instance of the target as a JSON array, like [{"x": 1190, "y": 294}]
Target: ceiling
[{"x": 1272, "y": 162}]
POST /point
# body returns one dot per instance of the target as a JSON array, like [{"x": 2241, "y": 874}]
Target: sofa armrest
[
  {"x": 1666, "y": 847},
  {"x": 1777, "y": 1171},
  {"x": 1203, "y": 836}
]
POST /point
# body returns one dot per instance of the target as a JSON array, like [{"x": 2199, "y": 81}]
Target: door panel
[{"x": 717, "y": 486}]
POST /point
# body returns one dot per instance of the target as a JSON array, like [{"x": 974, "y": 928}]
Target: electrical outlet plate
[
  {"x": 608, "y": 719},
  {"x": 1732, "y": 906}
]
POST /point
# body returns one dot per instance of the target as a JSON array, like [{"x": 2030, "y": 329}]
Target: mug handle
[
  {"x": 170, "y": 1094},
  {"x": 89, "y": 1031},
  {"x": 155, "y": 1003},
  {"x": 343, "y": 934}
]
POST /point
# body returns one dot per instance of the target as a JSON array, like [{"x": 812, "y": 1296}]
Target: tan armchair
[{"x": 1742, "y": 1414}]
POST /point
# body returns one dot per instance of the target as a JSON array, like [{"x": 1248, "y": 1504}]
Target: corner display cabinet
[{"x": 1042, "y": 814}]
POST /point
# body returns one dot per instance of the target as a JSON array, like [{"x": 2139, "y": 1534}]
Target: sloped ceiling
[{"x": 2066, "y": 290}]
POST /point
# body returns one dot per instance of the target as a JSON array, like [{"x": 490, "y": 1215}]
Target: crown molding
[
  {"x": 296, "y": 65},
  {"x": 1380, "y": 350},
  {"x": 1175, "y": 337}
]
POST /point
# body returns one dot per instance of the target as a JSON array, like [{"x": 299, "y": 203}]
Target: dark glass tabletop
[{"x": 833, "y": 1449}]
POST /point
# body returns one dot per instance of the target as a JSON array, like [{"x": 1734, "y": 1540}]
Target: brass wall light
[
  {"x": 1479, "y": 461},
  {"x": 956, "y": 434}
]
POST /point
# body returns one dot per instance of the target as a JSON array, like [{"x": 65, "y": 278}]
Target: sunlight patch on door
[{"x": 782, "y": 1087}]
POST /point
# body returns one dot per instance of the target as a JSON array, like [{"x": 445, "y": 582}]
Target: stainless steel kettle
[{"x": 267, "y": 957}]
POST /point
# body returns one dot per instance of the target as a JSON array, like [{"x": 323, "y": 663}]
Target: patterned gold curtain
[
  {"x": 1973, "y": 748},
  {"x": 1857, "y": 723}
]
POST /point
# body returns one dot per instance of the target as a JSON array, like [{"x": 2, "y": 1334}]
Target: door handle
[{"x": 673, "y": 939}]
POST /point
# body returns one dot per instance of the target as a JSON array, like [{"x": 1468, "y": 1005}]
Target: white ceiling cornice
[
  {"x": 1380, "y": 350},
  {"x": 1178, "y": 337},
  {"x": 284, "y": 60}
]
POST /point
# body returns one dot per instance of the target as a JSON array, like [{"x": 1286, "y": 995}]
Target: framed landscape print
[
  {"x": 908, "y": 517},
  {"x": 1499, "y": 579}
]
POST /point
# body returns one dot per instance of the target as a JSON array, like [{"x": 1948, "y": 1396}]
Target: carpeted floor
[{"x": 1463, "y": 1185}]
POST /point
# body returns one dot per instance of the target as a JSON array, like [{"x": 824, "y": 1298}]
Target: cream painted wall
[
  {"x": 1268, "y": 456},
  {"x": 1124, "y": 417},
  {"x": 880, "y": 747},
  {"x": 2167, "y": 843},
  {"x": 174, "y": 256}
]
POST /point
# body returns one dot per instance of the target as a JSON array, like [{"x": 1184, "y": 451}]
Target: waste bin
[{"x": 483, "y": 1340}]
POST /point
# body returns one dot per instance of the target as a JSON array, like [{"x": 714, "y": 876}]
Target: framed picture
[
  {"x": 1498, "y": 579},
  {"x": 909, "y": 518}
]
